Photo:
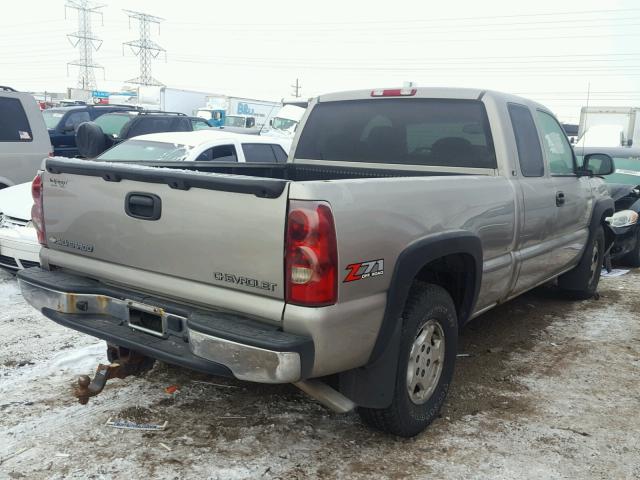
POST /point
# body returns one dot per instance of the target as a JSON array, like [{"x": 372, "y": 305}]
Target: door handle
[
  {"x": 560, "y": 199},
  {"x": 145, "y": 206}
]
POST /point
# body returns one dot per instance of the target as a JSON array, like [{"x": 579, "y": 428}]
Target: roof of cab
[{"x": 431, "y": 92}]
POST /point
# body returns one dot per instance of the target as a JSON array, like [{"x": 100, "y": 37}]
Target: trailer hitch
[{"x": 124, "y": 362}]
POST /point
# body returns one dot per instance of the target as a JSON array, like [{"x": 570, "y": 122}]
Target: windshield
[
  {"x": 627, "y": 170},
  {"x": 52, "y": 117},
  {"x": 283, "y": 123},
  {"x": 112, "y": 124},
  {"x": 231, "y": 121},
  {"x": 145, "y": 150}
]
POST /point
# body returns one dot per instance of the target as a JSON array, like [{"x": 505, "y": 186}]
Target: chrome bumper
[{"x": 246, "y": 362}]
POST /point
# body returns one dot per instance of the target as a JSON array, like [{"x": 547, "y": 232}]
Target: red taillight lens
[
  {"x": 311, "y": 259},
  {"x": 394, "y": 92},
  {"x": 37, "y": 213}
]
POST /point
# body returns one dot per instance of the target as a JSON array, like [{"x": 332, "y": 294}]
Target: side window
[
  {"x": 14, "y": 126},
  {"x": 221, "y": 153},
  {"x": 258, "y": 153},
  {"x": 199, "y": 124},
  {"x": 281, "y": 155},
  {"x": 76, "y": 118},
  {"x": 527, "y": 141},
  {"x": 556, "y": 145}
]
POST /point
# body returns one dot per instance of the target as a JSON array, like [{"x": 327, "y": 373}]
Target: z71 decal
[{"x": 358, "y": 271}]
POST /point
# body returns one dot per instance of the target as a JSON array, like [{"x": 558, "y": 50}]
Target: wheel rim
[
  {"x": 426, "y": 359},
  {"x": 595, "y": 259}
]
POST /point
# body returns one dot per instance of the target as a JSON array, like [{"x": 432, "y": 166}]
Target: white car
[
  {"x": 19, "y": 247},
  {"x": 202, "y": 145}
]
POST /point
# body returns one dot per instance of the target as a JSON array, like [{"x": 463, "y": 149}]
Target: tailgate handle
[{"x": 145, "y": 206}]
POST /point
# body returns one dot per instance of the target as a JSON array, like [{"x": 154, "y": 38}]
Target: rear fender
[{"x": 373, "y": 385}]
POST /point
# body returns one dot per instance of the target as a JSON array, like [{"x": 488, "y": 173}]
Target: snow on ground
[{"x": 550, "y": 389}]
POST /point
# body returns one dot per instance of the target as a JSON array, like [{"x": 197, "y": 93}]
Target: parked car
[
  {"x": 400, "y": 215},
  {"x": 93, "y": 138},
  {"x": 24, "y": 141},
  {"x": 62, "y": 123},
  {"x": 204, "y": 145},
  {"x": 19, "y": 247},
  {"x": 624, "y": 188}
]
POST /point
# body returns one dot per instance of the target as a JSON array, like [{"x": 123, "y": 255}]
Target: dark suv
[
  {"x": 93, "y": 138},
  {"x": 62, "y": 123}
]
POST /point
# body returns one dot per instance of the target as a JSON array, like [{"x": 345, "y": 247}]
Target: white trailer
[
  {"x": 609, "y": 126},
  {"x": 217, "y": 107}
]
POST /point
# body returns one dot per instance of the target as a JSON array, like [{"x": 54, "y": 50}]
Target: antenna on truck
[{"x": 586, "y": 115}]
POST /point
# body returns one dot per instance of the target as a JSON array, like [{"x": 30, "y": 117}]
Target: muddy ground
[{"x": 546, "y": 388}]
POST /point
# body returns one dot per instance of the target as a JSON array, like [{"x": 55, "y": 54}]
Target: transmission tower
[
  {"x": 296, "y": 88},
  {"x": 144, "y": 48},
  {"x": 85, "y": 41}
]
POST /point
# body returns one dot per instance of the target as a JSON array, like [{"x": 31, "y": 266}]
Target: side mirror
[
  {"x": 598, "y": 164},
  {"x": 271, "y": 122},
  {"x": 251, "y": 122},
  {"x": 68, "y": 129}
]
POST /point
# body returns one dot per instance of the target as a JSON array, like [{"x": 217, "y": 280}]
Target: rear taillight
[
  {"x": 37, "y": 212},
  {"x": 311, "y": 259}
]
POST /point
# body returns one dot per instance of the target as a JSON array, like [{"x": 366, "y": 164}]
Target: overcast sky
[{"x": 546, "y": 50}]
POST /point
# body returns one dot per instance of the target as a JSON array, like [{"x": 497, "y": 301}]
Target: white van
[{"x": 24, "y": 140}]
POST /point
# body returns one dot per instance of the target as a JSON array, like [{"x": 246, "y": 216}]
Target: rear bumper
[{"x": 220, "y": 343}]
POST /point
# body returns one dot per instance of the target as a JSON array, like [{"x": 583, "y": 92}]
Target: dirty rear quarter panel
[{"x": 378, "y": 219}]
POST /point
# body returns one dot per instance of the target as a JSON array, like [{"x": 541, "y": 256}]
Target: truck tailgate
[{"x": 223, "y": 230}]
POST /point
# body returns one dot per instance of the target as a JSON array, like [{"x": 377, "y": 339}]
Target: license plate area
[{"x": 147, "y": 319}]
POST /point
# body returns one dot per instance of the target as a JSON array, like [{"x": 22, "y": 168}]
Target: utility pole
[
  {"x": 296, "y": 89},
  {"x": 144, "y": 48},
  {"x": 85, "y": 41}
]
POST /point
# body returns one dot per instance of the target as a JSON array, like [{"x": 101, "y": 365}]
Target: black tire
[
  {"x": 90, "y": 140},
  {"x": 2, "y": 185},
  {"x": 581, "y": 283},
  {"x": 632, "y": 259},
  {"x": 404, "y": 417}
]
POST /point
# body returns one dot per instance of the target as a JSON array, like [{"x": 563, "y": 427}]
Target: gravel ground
[{"x": 546, "y": 388}]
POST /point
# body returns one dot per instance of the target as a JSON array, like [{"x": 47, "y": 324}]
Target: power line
[
  {"x": 144, "y": 48},
  {"x": 85, "y": 41}
]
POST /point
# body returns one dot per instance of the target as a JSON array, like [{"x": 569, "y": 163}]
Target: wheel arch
[{"x": 452, "y": 260}]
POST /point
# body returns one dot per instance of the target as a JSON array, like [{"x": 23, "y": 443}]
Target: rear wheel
[
  {"x": 582, "y": 282},
  {"x": 427, "y": 356}
]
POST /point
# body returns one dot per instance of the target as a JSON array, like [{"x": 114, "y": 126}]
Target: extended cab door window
[
  {"x": 556, "y": 146},
  {"x": 258, "y": 153},
  {"x": 527, "y": 141}
]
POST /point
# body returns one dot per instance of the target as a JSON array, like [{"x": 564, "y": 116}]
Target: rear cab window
[
  {"x": 14, "y": 125},
  {"x": 428, "y": 132}
]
